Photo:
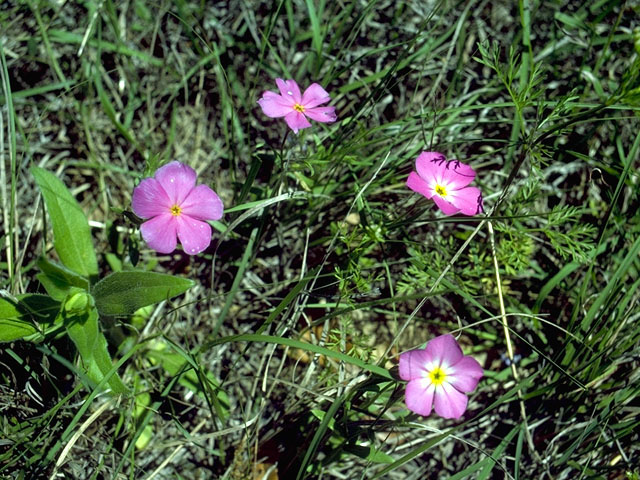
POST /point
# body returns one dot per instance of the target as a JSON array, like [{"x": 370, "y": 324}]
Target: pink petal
[
  {"x": 446, "y": 207},
  {"x": 297, "y": 121},
  {"x": 194, "y": 235},
  {"x": 322, "y": 114},
  {"x": 160, "y": 233},
  {"x": 445, "y": 350},
  {"x": 177, "y": 179},
  {"x": 419, "y": 396},
  {"x": 289, "y": 89},
  {"x": 465, "y": 374},
  {"x": 430, "y": 166},
  {"x": 417, "y": 184},
  {"x": 415, "y": 364},
  {"x": 314, "y": 95},
  {"x": 449, "y": 402},
  {"x": 274, "y": 105},
  {"x": 150, "y": 199},
  {"x": 468, "y": 200},
  {"x": 202, "y": 203},
  {"x": 457, "y": 175}
]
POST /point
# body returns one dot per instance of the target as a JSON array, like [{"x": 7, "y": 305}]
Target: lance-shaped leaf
[
  {"x": 14, "y": 324},
  {"x": 58, "y": 280},
  {"x": 81, "y": 322},
  {"x": 122, "y": 293},
  {"x": 71, "y": 233},
  {"x": 18, "y": 319}
]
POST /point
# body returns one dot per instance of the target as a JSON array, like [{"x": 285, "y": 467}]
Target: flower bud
[{"x": 78, "y": 303}]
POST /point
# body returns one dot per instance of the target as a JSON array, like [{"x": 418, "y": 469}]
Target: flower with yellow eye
[
  {"x": 439, "y": 376},
  {"x": 446, "y": 183},
  {"x": 175, "y": 208},
  {"x": 296, "y": 107}
]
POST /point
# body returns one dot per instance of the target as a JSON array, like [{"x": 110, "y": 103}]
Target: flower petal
[
  {"x": 419, "y": 396},
  {"x": 160, "y": 233},
  {"x": 297, "y": 121},
  {"x": 415, "y": 364},
  {"x": 417, "y": 184},
  {"x": 445, "y": 350},
  {"x": 449, "y": 402},
  {"x": 457, "y": 175},
  {"x": 322, "y": 114},
  {"x": 194, "y": 235},
  {"x": 274, "y": 105},
  {"x": 430, "y": 166},
  {"x": 150, "y": 199},
  {"x": 289, "y": 89},
  {"x": 446, "y": 207},
  {"x": 202, "y": 203},
  {"x": 465, "y": 375},
  {"x": 314, "y": 95},
  {"x": 468, "y": 200},
  {"x": 177, "y": 179}
]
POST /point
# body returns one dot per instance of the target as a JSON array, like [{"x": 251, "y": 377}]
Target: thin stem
[{"x": 507, "y": 337}]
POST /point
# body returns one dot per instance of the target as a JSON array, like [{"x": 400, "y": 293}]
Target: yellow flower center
[
  {"x": 440, "y": 190},
  {"x": 175, "y": 210},
  {"x": 299, "y": 108},
  {"x": 437, "y": 376}
]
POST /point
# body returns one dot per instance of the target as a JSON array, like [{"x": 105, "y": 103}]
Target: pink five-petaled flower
[
  {"x": 439, "y": 376},
  {"x": 295, "y": 108},
  {"x": 446, "y": 183},
  {"x": 174, "y": 206}
]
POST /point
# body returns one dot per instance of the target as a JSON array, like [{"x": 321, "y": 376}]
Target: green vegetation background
[{"x": 280, "y": 362}]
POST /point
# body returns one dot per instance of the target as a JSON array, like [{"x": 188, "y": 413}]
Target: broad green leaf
[
  {"x": 14, "y": 324},
  {"x": 85, "y": 332},
  {"x": 18, "y": 320},
  {"x": 122, "y": 293},
  {"x": 71, "y": 233},
  {"x": 58, "y": 280}
]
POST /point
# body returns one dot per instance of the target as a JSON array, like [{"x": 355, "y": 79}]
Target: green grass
[{"x": 325, "y": 267}]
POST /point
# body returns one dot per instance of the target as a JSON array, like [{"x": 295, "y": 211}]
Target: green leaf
[
  {"x": 43, "y": 309},
  {"x": 14, "y": 324},
  {"x": 71, "y": 233},
  {"x": 18, "y": 320},
  {"x": 122, "y": 293},
  {"x": 58, "y": 280},
  {"x": 85, "y": 332}
]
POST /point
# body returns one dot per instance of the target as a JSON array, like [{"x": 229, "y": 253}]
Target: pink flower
[
  {"x": 446, "y": 183},
  {"x": 176, "y": 207},
  {"x": 295, "y": 108},
  {"x": 439, "y": 376}
]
